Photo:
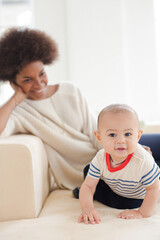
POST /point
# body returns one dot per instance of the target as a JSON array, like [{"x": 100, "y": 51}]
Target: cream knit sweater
[{"x": 65, "y": 125}]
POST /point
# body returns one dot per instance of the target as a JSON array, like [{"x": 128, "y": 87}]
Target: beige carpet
[{"x": 58, "y": 221}]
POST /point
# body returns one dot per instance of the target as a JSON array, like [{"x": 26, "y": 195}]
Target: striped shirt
[{"x": 129, "y": 179}]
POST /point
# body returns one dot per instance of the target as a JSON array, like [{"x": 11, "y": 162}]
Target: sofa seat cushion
[{"x": 58, "y": 220}]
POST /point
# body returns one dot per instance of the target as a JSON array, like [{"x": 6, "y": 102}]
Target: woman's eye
[
  {"x": 27, "y": 80},
  {"x": 112, "y": 134},
  {"x": 42, "y": 73},
  {"x": 127, "y": 134}
]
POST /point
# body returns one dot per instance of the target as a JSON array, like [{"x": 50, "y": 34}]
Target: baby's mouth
[{"x": 121, "y": 149}]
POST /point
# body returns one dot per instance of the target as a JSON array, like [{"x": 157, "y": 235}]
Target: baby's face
[{"x": 119, "y": 134}]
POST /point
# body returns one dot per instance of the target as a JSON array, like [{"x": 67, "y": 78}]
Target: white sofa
[{"x": 28, "y": 210}]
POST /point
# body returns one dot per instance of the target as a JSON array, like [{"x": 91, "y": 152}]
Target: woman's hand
[
  {"x": 147, "y": 149},
  {"x": 19, "y": 95},
  {"x": 89, "y": 215}
]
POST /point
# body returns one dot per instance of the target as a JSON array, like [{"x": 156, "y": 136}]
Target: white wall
[
  {"x": 111, "y": 46},
  {"x": 107, "y": 47},
  {"x": 95, "y": 43},
  {"x": 142, "y": 58},
  {"x": 50, "y": 16}
]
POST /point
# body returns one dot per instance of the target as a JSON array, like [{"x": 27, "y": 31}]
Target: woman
[{"x": 58, "y": 114}]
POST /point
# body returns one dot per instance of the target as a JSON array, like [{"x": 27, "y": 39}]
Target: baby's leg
[{"x": 106, "y": 196}]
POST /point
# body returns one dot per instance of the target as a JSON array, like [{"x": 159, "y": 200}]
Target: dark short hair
[{"x": 20, "y": 46}]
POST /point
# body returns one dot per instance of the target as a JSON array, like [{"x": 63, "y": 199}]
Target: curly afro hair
[{"x": 20, "y": 46}]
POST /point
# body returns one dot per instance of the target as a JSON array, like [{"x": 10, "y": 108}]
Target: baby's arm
[
  {"x": 89, "y": 214},
  {"x": 148, "y": 205}
]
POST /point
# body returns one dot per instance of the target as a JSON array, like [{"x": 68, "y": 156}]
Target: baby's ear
[
  {"x": 97, "y": 134},
  {"x": 140, "y": 134}
]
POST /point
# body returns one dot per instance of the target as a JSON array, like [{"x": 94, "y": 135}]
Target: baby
[{"x": 123, "y": 174}]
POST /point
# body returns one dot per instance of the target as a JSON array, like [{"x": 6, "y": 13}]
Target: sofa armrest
[{"x": 24, "y": 180}]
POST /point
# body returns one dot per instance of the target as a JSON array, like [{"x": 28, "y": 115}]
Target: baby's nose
[{"x": 121, "y": 139}]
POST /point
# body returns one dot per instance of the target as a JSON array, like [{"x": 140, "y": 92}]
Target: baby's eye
[
  {"x": 112, "y": 134},
  {"x": 127, "y": 134}
]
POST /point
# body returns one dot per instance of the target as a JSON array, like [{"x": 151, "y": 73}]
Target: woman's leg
[
  {"x": 152, "y": 140},
  {"x": 106, "y": 196}
]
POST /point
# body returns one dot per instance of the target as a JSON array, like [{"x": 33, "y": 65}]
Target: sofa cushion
[{"x": 58, "y": 220}]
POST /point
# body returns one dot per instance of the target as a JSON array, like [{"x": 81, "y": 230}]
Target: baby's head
[
  {"x": 116, "y": 110},
  {"x": 118, "y": 130}
]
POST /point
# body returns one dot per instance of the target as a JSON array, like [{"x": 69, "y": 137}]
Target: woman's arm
[
  {"x": 5, "y": 112},
  {"x": 9, "y": 106}
]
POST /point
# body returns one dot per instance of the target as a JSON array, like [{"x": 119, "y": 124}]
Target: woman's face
[{"x": 33, "y": 80}]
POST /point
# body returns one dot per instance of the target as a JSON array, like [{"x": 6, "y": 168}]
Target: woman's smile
[{"x": 33, "y": 80}]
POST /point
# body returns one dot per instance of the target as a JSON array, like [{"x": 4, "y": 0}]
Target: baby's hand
[
  {"x": 130, "y": 214},
  {"x": 89, "y": 215}
]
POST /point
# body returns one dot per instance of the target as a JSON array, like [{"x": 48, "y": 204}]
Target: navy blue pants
[{"x": 106, "y": 196}]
